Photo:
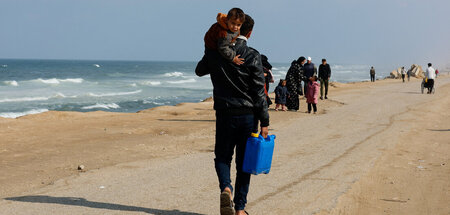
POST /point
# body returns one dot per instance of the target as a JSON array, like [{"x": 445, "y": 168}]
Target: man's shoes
[
  {"x": 321, "y": 98},
  {"x": 226, "y": 204},
  {"x": 326, "y": 97}
]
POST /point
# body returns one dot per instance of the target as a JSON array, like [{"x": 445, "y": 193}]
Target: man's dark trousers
[
  {"x": 323, "y": 82},
  {"x": 233, "y": 131}
]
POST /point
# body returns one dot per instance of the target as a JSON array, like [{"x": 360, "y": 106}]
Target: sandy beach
[{"x": 373, "y": 148}]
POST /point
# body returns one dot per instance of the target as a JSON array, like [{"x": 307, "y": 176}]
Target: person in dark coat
[
  {"x": 281, "y": 95},
  {"x": 310, "y": 70},
  {"x": 267, "y": 75},
  {"x": 294, "y": 78},
  {"x": 240, "y": 102},
  {"x": 324, "y": 77}
]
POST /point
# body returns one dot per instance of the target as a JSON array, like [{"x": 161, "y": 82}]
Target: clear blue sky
[{"x": 391, "y": 32}]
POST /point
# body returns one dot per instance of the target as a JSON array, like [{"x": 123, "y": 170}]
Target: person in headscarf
[
  {"x": 267, "y": 75},
  {"x": 293, "y": 78}
]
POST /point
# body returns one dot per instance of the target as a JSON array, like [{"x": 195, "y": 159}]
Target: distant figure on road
[
  {"x": 403, "y": 71},
  {"x": 324, "y": 77},
  {"x": 409, "y": 74},
  {"x": 430, "y": 74},
  {"x": 372, "y": 74}
]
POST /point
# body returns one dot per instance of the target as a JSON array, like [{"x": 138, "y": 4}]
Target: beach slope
[{"x": 373, "y": 148}]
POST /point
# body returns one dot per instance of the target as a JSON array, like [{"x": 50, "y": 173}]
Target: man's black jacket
[
  {"x": 237, "y": 89},
  {"x": 324, "y": 71}
]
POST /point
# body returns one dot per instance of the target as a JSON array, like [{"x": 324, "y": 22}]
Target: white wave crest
[
  {"x": 24, "y": 99},
  {"x": 19, "y": 114},
  {"x": 11, "y": 83},
  {"x": 151, "y": 83},
  {"x": 58, "y": 81},
  {"x": 155, "y": 103},
  {"x": 191, "y": 80},
  {"x": 173, "y": 74},
  {"x": 72, "y": 80},
  {"x": 4, "y": 65},
  {"x": 104, "y": 106},
  {"x": 114, "y": 94},
  {"x": 96, "y": 65}
]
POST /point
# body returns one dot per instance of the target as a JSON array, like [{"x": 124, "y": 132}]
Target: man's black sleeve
[
  {"x": 257, "y": 89},
  {"x": 329, "y": 70}
]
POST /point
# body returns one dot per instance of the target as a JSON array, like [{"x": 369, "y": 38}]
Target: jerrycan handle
[{"x": 257, "y": 135}]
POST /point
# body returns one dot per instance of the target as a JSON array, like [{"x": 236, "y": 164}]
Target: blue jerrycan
[{"x": 258, "y": 154}]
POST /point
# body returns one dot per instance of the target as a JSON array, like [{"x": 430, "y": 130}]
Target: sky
[{"x": 369, "y": 32}]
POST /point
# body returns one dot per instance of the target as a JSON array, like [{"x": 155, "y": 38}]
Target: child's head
[
  {"x": 313, "y": 78},
  {"x": 283, "y": 82},
  {"x": 235, "y": 18}
]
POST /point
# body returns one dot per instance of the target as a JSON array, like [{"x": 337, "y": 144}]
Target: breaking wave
[
  {"x": 114, "y": 94},
  {"x": 103, "y": 106},
  {"x": 19, "y": 114}
]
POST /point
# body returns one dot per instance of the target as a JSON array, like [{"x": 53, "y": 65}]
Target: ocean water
[{"x": 36, "y": 86}]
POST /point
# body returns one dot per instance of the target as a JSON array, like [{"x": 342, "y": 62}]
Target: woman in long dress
[{"x": 294, "y": 77}]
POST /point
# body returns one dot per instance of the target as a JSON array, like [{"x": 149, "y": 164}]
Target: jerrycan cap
[{"x": 255, "y": 135}]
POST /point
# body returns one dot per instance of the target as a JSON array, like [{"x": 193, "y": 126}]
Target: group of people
[
  {"x": 430, "y": 75},
  {"x": 303, "y": 71}
]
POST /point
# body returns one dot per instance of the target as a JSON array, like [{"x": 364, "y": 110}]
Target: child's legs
[
  {"x": 283, "y": 107},
  {"x": 309, "y": 107},
  {"x": 277, "y": 106},
  {"x": 315, "y": 107}
]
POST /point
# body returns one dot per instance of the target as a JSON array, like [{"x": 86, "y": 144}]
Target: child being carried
[{"x": 221, "y": 36}]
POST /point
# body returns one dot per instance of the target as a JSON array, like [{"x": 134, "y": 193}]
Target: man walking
[
  {"x": 431, "y": 75},
  {"x": 403, "y": 71},
  {"x": 324, "y": 76},
  {"x": 372, "y": 74},
  {"x": 239, "y": 101}
]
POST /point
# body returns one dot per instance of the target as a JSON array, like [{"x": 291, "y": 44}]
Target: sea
[{"x": 36, "y": 86}]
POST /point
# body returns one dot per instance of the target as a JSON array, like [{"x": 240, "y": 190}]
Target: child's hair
[
  {"x": 236, "y": 13},
  {"x": 314, "y": 78}
]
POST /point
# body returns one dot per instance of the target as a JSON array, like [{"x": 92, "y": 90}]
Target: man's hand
[
  {"x": 264, "y": 131},
  {"x": 237, "y": 60}
]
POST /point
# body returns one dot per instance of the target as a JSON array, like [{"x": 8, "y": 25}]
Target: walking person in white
[
  {"x": 403, "y": 71},
  {"x": 430, "y": 75}
]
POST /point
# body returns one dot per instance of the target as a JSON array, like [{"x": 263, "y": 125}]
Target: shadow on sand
[
  {"x": 74, "y": 201},
  {"x": 413, "y": 92},
  {"x": 439, "y": 129},
  {"x": 187, "y": 120}
]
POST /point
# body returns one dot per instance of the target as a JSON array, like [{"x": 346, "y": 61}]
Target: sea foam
[
  {"x": 24, "y": 99},
  {"x": 191, "y": 80},
  {"x": 104, "y": 106},
  {"x": 19, "y": 114},
  {"x": 151, "y": 83},
  {"x": 114, "y": 94},
  {"x": 173, "y": 74},
  {"x": 58, "y": 81},
  {"x": 11, "y": 83}
]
